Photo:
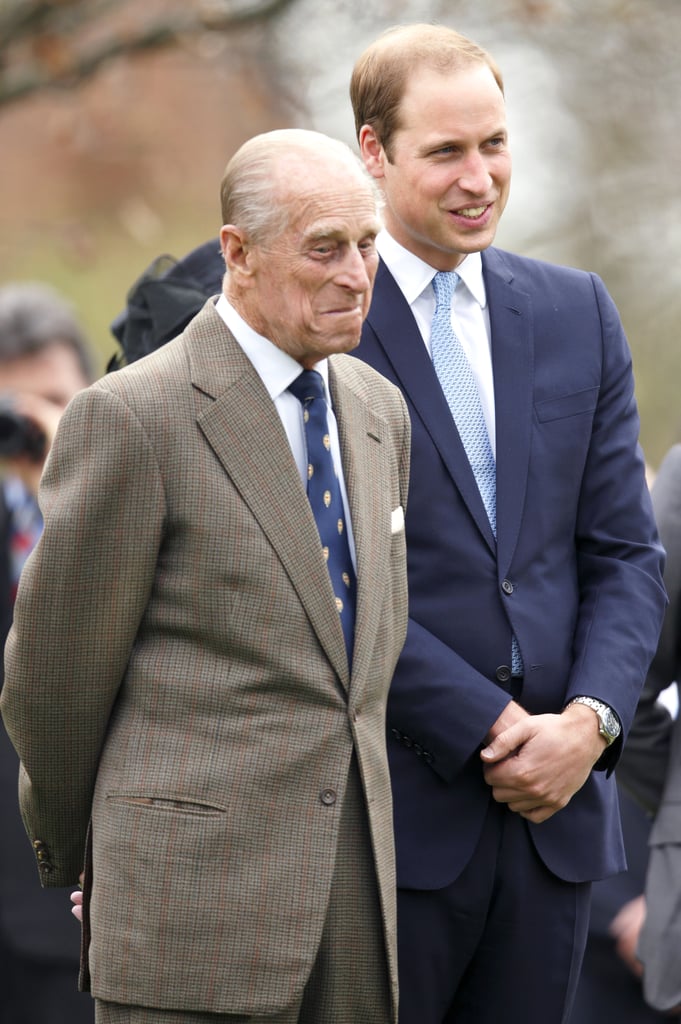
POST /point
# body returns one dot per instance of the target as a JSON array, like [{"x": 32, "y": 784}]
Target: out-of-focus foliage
[
  {"x": 127, "y": 161},
  {"x": 62, "y": 42}
]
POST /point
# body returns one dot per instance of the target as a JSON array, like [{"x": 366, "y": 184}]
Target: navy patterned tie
[
  {"x": 461, "y": 391},
  {"x": 324, "y": 493}
]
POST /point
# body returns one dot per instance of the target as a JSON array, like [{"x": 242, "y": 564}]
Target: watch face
[{"x": 610, "y": 723}]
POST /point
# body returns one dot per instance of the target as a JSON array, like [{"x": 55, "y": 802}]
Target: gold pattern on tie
[{"x": 326, "y": 501}]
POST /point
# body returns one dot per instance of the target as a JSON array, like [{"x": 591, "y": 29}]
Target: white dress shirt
[
  {"x": 470, "y": 316},
  {"x": 277, "y": 369}
]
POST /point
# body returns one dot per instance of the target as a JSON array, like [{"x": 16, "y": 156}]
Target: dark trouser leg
[{"x": 503, "y": 942}]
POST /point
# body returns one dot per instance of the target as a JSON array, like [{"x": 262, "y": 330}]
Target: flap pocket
[{"x": 576, "y": 404}]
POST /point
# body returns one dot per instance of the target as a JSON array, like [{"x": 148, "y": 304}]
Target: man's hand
[
  {"x": 625, "y": 929},
  {"x": 536, "y": 764},
  {"x": 77, "y": 900}
]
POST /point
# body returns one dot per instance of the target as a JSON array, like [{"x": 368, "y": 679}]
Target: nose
[
  {"x": 475, "y": 176},
  {"x": 354, "y": 273}
]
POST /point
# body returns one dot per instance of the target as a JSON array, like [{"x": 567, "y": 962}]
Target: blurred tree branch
[{"x": 45, "y": 43}]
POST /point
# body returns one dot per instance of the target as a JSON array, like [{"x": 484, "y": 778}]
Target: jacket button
[
  {"x": 328, "y": 797},
  {"x": 503, "y": 673},
  {"x": 507, "y": 587}
]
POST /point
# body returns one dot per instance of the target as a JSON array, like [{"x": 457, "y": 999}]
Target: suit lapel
[
  {"x": 361, "y": 440},
  {"x": 246, "y": 434},
  {"x": 513, "y": 361},
  {"x": 395, "y": 328}
]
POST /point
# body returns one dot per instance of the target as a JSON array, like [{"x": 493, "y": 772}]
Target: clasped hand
[{"x": 536, "y": 763}]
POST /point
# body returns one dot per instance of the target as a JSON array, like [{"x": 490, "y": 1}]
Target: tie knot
[
  {"x": 444, "y": 284},
  {"x": 307, "y": 386}
]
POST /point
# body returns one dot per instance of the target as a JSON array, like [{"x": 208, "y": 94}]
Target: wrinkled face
[
  {"x": 308, "y": 289},
  {"x": 449, "y": 178}
]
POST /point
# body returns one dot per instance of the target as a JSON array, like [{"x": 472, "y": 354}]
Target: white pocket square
[{"x": 397, "y": 519}]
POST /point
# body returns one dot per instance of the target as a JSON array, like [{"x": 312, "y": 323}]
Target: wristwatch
[{"x": 608, "y": 723}]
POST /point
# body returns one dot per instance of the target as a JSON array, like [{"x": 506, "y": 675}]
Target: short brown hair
[{"x": 380, "y": 76}]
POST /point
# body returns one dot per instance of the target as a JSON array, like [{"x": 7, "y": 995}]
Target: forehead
[
  {"x": 342, "y": 205},
  {"x": 53, "y": 372},
  {"x": 467, "y": 96}
]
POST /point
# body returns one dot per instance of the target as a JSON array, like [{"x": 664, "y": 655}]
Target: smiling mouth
[{"x": 471, "y": 212}]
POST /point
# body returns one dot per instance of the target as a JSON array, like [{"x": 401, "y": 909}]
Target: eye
[{"x": 323, "y": 249}]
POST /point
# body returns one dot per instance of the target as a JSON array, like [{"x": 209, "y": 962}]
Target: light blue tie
[{"x": 461, "y": 391}]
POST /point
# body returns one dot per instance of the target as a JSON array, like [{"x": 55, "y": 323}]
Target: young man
[{"x": 534, "y": 568}]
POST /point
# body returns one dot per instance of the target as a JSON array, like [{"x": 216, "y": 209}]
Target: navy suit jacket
[{"x": 575, "y": 572}]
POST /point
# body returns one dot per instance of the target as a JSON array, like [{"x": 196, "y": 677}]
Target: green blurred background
[{"x": 117, "y": 119}]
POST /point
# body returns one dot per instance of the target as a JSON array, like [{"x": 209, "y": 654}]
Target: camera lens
[{"x": 19, "y": 435}]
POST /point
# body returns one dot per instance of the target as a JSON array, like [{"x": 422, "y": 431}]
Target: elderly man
[{"x": 197, "y": 673}]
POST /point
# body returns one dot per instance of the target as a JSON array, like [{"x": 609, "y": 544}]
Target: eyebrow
[{"x": 331, "y": 231}]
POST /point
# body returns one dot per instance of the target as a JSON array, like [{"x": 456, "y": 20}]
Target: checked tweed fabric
[
  {"x": 461, "y": 391},
  {"x": 323, "y": 491}
]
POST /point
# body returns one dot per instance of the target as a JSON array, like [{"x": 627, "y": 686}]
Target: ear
[
  {"x": 235, "y": 250},
  {"x": 372, "y": 151}
]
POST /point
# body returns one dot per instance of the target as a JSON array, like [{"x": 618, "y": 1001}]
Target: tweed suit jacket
[
  {"x": 176, "y": 676},
  {"x": 32, "y": 923}
]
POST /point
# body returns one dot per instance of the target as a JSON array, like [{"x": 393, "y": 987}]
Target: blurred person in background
[
  {"x": 610, "y": 982},
  {"x": 649, "y": 930},
  {"x": 44, "y": 361}
]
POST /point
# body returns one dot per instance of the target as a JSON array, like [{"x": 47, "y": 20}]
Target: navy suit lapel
[
  {"x": 394, "y": 326},
  {"x": 513, "y": 361}
]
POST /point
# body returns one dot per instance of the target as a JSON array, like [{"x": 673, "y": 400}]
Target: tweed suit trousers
[{"x": 348, "y": 983}]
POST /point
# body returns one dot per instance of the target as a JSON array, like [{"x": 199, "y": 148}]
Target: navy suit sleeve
[
  {"x": 619, "y": 563},
  {"x": 454, "y": 707}
]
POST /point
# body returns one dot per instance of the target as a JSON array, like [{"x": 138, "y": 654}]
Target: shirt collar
[
  {"x": 276, "y": 368},
  {"x": 413, "y": 275}
]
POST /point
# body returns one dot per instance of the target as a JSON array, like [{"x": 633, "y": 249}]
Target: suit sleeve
[
  {"x": 80, "y": 603},
  {"x": 619, "y": 558},
  {"x": 456, "y": 705}
]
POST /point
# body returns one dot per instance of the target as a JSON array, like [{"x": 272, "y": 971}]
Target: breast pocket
[
  {"x": 576, "y": 404},
  {"x": 560, "y": 445}
]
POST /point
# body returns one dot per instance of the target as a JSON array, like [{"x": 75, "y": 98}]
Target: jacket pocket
[
  {"x": 165, "y": 804},
  {"x": 575, "y": 404}
]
